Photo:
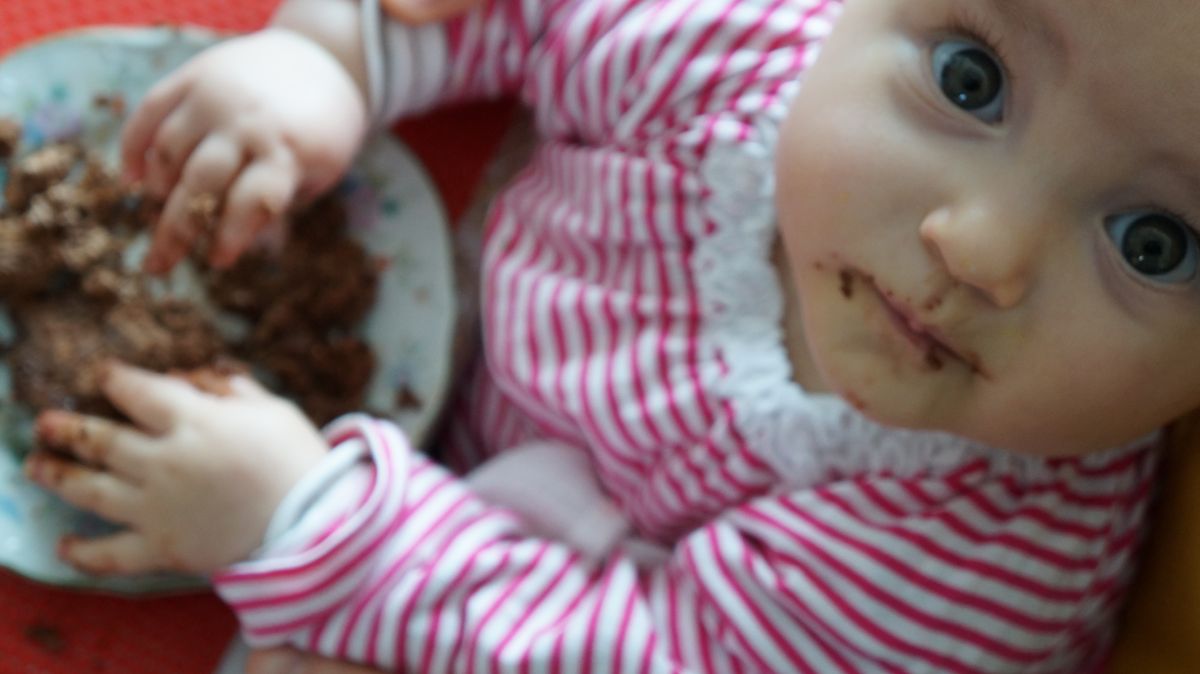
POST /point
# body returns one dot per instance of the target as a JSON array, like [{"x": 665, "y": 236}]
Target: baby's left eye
[
  {"x": 1155, "y": 245},
  {"x": 971, "y": 78}
]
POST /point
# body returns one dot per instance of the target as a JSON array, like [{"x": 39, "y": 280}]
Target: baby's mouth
[{"x": 925, "y": 338}]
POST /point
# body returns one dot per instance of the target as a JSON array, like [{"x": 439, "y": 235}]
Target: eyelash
[{"x": 967, "y": 21}]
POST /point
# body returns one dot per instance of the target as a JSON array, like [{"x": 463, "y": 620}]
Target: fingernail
[
  {"x": 46, "y": 425},
  {"x": 33, "y": 468},
  {"x": 63, "y": 549}
]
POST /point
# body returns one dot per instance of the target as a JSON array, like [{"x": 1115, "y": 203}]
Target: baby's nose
[{"x": 981, "y": 248}]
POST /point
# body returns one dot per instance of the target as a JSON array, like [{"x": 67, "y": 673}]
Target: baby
[{"x": 849, "y": 364}]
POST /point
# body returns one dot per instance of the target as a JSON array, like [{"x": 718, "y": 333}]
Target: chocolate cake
[{"x": 66, "y": 227}]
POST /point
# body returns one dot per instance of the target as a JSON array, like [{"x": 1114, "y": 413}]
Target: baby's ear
[
  {"x": 1160, "y": 632},
  {"x": 416, "y": 12}
]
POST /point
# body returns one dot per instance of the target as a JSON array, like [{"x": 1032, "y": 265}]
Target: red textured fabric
[
  {"x": 47, "y": 630},
  {"x": 24, "y": 20},
  {"x": 55, "y": 631}
]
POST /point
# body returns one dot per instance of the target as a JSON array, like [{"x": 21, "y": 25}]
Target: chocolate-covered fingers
[
  {"x": 195, "y": 203},
  {"x": 108, "y": 495},
  {"x": 142, "y": 126},
  {"x": 126, "y": 552},
  {"x": 98, "y": 442},
  {"x": 258, "y": 199}
]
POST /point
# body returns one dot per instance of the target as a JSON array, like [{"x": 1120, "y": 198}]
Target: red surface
[{"x": 46, "y": 630}]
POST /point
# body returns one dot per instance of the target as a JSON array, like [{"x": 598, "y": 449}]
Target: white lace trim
[{"x": 806, "y": 438}]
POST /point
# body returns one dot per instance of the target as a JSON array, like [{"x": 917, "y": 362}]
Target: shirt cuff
[
  {"x": 407, "y": 66},
  {"x": 326, "y": 494}
]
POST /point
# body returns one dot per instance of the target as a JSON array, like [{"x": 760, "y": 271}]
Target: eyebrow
[
  {"x": 1032, "y": 17},
  {"x": 1186, "y": 174}
]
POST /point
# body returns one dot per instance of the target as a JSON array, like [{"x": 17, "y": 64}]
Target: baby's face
[{"x": 986, "y": 208}]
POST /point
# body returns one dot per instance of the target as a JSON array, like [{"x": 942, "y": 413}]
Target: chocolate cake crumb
[
  {"x": 10, "y": 138},
  {"x": 114, "y": 103},
  {"x": 64, "y": 233}
]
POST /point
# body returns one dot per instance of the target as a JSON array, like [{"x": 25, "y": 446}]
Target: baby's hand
[
  {"x": 259, "y": 122},
  {"x": 195, "y": 478}
]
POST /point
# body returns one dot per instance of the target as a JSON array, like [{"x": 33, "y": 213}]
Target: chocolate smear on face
[
  {"x": 933, "y": 359},
  {"x": 854, "y": 401},
  {"x": 847, "y": 283}
]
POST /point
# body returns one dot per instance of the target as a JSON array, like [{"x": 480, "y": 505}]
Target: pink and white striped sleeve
[
  {"x": 407, "y": 570},
  {"x": 481, "y": 54}
]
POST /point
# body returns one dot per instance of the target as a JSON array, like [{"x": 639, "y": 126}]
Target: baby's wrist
[
  {"x": 318, "y": 499},
  {"x": 334, "y": 28}
]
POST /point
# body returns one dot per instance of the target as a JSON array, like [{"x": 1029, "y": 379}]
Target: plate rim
[{"x": 202, "y": 36}]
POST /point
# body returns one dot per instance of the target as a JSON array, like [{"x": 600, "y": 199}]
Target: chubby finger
[
  {"x": 95, "y": 441},
  {"x": 177, "y": 137},
  {"x": 122, "y": 553},
  {"x": 177, "y": 231},
  {"x": 93, "y": 490},
  {"x": 417, "y": 12},
  {"x": 139, "y": 131},
  {"x": 154, "y": 402},
  {"x": 284, "y": 660},
  {"x": 273, "y": 661},
  {"x": 210, "y": 170},
  {"x": 260, "y": 196}
]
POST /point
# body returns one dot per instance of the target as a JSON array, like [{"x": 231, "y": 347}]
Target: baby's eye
[
  {"x": 970, "y": 77},
  {"x": 1155, "y": 245}
]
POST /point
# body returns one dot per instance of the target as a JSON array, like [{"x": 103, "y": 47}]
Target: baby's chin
[
  {"x": 1044, "y": 441},
  {"x": 936, "y": 414}
]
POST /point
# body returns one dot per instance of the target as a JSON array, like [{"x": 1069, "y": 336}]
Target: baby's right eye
[
  {"x": 1158, "y": 246},
  {"x": 971, "y": 78}
]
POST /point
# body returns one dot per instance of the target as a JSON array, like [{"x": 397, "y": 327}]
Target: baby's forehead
[
  {"x": 1150, "y": 31},
  {"x": 1136, "y": 64}
]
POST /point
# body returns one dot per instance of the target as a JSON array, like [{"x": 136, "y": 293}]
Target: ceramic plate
[{"x": 52, "y": 88}]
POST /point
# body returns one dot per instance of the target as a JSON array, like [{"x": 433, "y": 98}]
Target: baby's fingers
[
  {"x": 95, "y": 441},
  {"x": 153, "y": 401},
  {"x": 210, "y": 170},
  {"x": 258, "y": 199},
  {"x": 142, "y": 127},
  {"x": 126, "y": 552},
  {"x": 93, "y": 490}
]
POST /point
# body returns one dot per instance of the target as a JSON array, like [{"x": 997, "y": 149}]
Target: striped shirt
[{"x": 630, "y": 313}]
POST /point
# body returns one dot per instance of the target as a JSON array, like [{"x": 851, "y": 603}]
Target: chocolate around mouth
[{"x": 936, "y": 350}]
